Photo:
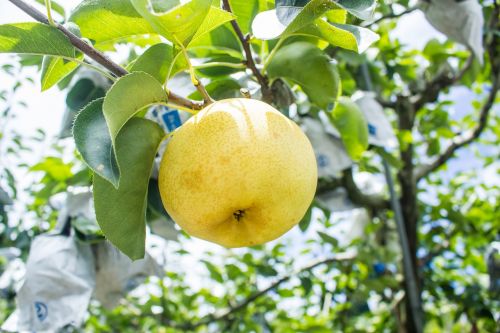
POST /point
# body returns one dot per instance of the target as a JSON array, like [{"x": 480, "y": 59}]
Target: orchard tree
[{"x": 305, "y": 59}]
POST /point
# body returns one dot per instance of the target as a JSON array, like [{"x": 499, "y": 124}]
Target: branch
[
  {"x": 462, "y": 140},
  {"x": 433, "y": 88},
  {"x": 385, "y": 103},
  {"x": 431, "y": 92},
  {"x": 371, "y": 201},
  {"x": 345, "y": 256},
  {"x": 250, "y": 63},
  {"x": 96, "y": 55},
  {"x": 392, "y": 16},
  {"x": 327, "y": 185}
]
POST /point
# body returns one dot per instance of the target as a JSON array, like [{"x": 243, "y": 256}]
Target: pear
[{"x": 239, "y": 173}]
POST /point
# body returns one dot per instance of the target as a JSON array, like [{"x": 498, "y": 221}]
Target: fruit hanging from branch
[{"x": 239, "y": 173}]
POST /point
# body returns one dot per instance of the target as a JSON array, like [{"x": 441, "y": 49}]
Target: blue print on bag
[
  {"x": 171, "y": 119},
  {"x": 322, "y": 161},
  {"x": 41, "y": 310},
  {"x": 372, "y": 130},
  {"x": 155, "y": 113}
]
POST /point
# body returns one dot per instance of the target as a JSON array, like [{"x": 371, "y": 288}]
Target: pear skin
[{"x": 239, "y": 173}]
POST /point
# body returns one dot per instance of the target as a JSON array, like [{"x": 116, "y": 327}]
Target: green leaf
[
  {"x": 362, "y": 9},
  {"x": 292, "y": 19},
  {"x": 154, "y": 198},
  {"x": 220, "y": 71},
  {"x": 328, "y": 239},
  {"x": 54, "y": 69},
  {"x": 214, "y": 271},
  {"x": 93, "y": 141},
  {"x": 245, "y": 11},
  {"x": 55, "y": 168},
  {"x": 306, "y": 220},
  {"x": 156, "y": 61},
  {"x": 306, "y": 284},
  {"x": 109, "y": 20},
  {"x": 178, "y": 24},
  {"x": 220, "y": 89},
  {"x": 351, "y": 123},
  {"x": 220, "y": 41},
  {"x": 307, "y": 66},
  {"x": 121, "y": 213},
  {"x": 312, "y": 11},
  {"x": 83, "y": 92},
  {"x": 390, "y": 158},
  {"x": 337, "y": 16},
  {"x": 130, "y": 94},
  {"x": 34, "y": 38},
  {"x": 346, "y": 36},
  {"x": 215, "y": 18}
]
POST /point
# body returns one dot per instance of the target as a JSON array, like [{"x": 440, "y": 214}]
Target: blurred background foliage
[{"x": 208, "y": 289}]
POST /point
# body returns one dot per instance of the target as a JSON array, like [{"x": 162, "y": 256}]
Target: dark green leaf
[
  {"x": 328, "y": 239},
  {"x": 83, "y": 92},
  {"x": 214, "y": 271},
  {"x": 221, "y": 89},
  {"x": 306, "y": 220},
  {"x": 121, "y": 212},
  {"x": 303, "y": 63},
  {"x": 93, "y": 141}
]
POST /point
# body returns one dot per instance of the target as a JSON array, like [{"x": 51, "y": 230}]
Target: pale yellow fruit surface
[{"x": 238, "y": 173}]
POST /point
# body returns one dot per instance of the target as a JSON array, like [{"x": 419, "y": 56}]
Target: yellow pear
[{"x": 238, "y": 173}]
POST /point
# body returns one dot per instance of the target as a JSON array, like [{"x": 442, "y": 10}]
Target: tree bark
[{"x": 409, "y": 205}]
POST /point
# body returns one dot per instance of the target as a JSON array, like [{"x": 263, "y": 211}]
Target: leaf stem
[
  {"x": 273, "y": 53},
  {"x": 89, "y": 65},
  {"x": 220, "y": 64},
  {"x": 197, "y": 83},
  {"x": 48, "y": 5}
]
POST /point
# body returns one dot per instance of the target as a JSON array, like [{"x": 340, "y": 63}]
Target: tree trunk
[{"x": 409, "y": 203}]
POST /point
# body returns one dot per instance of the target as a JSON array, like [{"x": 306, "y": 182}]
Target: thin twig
[
  {"x": 238, "y": 65},
  {"x": 96, "y": 55},
  {"x": 48, "y": 6},
  {"x": 462, "y": 140},
  {"x": 392, "y": 16},
  {"x": 360, "y": 198},
  {"x": 196, "y": 82},
  {"x": 433, "y": 89},
  {"x": 240, "y": 306},
  {"x": 245, "y": 42},
  {"x": 466, "y": 138}
]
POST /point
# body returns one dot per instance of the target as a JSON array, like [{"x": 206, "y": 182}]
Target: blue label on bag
[
  {"x": 172, "y": 119},
  {"x": 322, "y": 161},
  {"x": 41, "y": 310},
  {"x": 372, "y": 130}
]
